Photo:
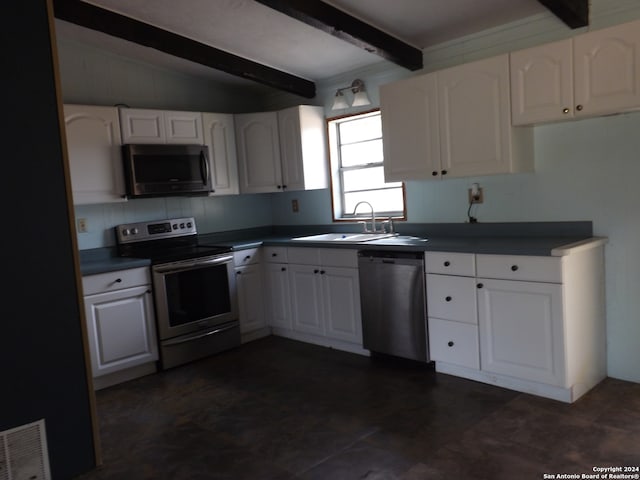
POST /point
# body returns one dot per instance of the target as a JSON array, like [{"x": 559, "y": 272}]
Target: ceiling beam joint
[
  {"x": 574, "y": 13},
  {"x": 335, "y": 22}
]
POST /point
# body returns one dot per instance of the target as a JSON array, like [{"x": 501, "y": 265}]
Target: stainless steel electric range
[{"x": 193, "y": 285}]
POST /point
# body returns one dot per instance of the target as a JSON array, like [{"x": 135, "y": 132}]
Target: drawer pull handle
[
  {"x": 480, "y": 285},
  {"x": 274, "y": 254},
  {"x": 322, "y": 272},
  {"x": 316, "y": 271},
  {"x": 450, "y": 343},
  {"x": 283, "y": 269},
  {"x": 117, "y": 280},
  {"x": 448, "y": 299},
  {"x": 447, "y": 263},
  {"x": 514, "y": 268},
  {"x": 248, "y": 257}
]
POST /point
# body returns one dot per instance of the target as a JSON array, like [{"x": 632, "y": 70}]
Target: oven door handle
[
  {"x": 190, "y": 265},
  {"x": 198, "y": 336}
]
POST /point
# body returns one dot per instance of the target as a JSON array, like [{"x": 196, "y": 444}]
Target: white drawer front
[
  {"x": 339, "y": 257},
  {"x": 275, "y": 254},
  {"x": 454, "y": 342},
  {"x": 452, "y": 298},
  {"x": 247, "y": 256},
  {"x": 519, "y": 267},
  {"x": 117, "y": 280},
  {"x": 450, "y": 263}
]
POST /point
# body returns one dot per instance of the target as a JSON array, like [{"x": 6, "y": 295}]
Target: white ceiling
[{"x": 256, "y": 32}]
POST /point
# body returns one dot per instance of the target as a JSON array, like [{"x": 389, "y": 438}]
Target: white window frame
[{"x": 337, "y": 171}]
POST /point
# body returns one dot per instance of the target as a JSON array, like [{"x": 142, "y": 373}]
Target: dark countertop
[{"x": 543, "y": 240}]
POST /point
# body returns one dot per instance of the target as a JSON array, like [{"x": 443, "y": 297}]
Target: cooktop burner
[{"x": 163, "y": 241}]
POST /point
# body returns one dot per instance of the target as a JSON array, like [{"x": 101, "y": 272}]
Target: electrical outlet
[
  {"x": 479, "y": 198},
  {"x": 294, "y": 205},
  {"x": 82, "y": 225}
]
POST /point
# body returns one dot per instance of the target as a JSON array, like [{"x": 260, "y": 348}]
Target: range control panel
[{"x": 145, "y": 231}]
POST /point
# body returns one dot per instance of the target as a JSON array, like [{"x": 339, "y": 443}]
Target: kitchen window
[{"x": 357, "y": 173}]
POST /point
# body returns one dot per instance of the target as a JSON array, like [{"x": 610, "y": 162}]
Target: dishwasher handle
[{"x": 391, "y": 257}]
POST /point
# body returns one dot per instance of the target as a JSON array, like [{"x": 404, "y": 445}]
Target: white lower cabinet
[
  {"x": 532, "y": 324},
  {"x": 522, "y": 330},
  {"x": 120, "y": 325},
  {"x": 314, "y": 296},
  {"x": 278, "y": 297},
  {"x": 249, "y": 285}
]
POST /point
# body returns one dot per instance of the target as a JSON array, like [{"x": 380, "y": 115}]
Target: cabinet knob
[
  {"x": 279, "y": 187},
  {"x": 322, "y": 272},
  {"x": 283, "y": 269},
  {"x": 447, "y": 299},
  {"x": 274, "y": 254},
  {"x": 579, "y": 107},
  {"x": 480, "y": 285},
  {"x": 444, "y": 172},
  {"x": 565, "y": 110},
  {"x": 248, "y": 257},
  {"x": 238, "y": 273},
  {"x": 117, "y": 280},
  {"x": 447, "y": 263},
  {"x": 316, "y": 271},
  {"x": 284, "y": 186},
  {"x": 450, "y": 343},
  {"x": 514, "y": 268},
  {"x": 434, "y": 173}
]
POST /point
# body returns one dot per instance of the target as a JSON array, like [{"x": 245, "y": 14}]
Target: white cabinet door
[
  {"x": 250, "y": 298},
  {"x": 142, "y": 126},
  {"x": 278, "y": 299},
  {"x": 341, "y": 297},
  {"x": 150, "y": 126},
  {"x": 219, "y": 137},
  {"x": 522, "y": 330},
  {"x": 306, "y": 299},
  {"x": 475, "y": 118},
  {"x": 183, "y": 128},
  {"x": 121, "y": 329},
  {"x": 94, "y": 150},
  {"x": 258, "y": 147},
  {"x": 410, "y": 129},
  {"x": 542, "y": 83},
  {"x": 607, "y": 70},
  {"x": 303, "y": 148}
]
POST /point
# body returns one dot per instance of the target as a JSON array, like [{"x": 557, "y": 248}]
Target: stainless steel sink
[{"x": 344, "y": 237}]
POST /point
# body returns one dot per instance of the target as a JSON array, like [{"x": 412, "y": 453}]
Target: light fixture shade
[
  {"x": 360, "y": 99},
  {"x": 339, "y": 101}
]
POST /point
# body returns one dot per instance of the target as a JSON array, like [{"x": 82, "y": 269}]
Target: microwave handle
[{"x": 204, "y": 168}]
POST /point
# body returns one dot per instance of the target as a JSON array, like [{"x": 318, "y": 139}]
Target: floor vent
[{"x": 23, "y": 453}]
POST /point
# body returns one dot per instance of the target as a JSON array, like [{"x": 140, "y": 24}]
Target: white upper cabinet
[
  {"x": 410, "y": 125},
  {"x": 476, "y": 136},
  {"x": 595, "y": 73},
  {"x": 258, "y": 152},
  {"x": 147, "y": 126},
  {"x": 303, "y": 148},
  {"x": 94, "y": 150},
  {"x": 542, "y": 83},
  {"x": 607, "y": 70},
  {"x": 453, "y": 123},
  {"x": 219, "y": 137},
  {"x": 283, "y": 150}
]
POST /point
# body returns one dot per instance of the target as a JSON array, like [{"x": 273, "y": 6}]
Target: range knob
[
  {"x": 189, "y": 224},
  {"x": 174, "y": 226},
  {"x": 134, "y": 231},
  {"x": 125, "y": 232}
]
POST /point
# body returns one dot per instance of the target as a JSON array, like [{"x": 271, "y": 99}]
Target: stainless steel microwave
[{"x": 166, "y": 170}]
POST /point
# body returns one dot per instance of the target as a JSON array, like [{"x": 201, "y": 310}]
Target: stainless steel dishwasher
[{"x": 392, "y": 297}]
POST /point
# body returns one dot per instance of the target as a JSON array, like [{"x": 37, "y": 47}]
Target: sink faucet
[{"x": 373, "y": 218}]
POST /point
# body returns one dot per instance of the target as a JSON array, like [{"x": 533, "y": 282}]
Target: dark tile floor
[{"x": 279, "y": 409}]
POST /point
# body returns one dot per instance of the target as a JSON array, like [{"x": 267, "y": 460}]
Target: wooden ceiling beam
[
  {"x": 335, "y": 22},
  {"x": 114, "y": 24},
  {"x": 575, "y": 13}
]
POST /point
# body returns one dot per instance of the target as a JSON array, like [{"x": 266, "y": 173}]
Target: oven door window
[{"x": 197, "y": 294}]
